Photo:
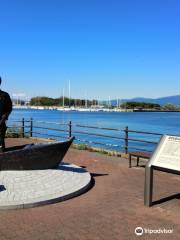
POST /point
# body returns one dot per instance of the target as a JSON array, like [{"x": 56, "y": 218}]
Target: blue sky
[{"x": 106, "y": 48}]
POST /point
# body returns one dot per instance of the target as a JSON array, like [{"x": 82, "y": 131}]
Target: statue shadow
[
  {"x": 82, "y": 169},
  {"x": 166, "y": 199},
  {"x": 68, "y": 168},
  {"x": 96, "y": 174},
  {"x": 2, "y": 188},
  {"x": 99, "y": 174}
]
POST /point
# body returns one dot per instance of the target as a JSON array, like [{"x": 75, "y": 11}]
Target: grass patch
[
  {"x": 80, "y": 146},
  {"x": 99, "y": 150},
  {"x": 15, "y": 132}
]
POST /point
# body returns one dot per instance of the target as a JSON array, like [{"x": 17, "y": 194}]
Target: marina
[{"x": 78, "y": 109}]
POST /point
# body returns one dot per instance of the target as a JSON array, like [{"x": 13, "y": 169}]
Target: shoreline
[
  {"x": 156, "y": 110},
  {"x": 78, "y": 109}
]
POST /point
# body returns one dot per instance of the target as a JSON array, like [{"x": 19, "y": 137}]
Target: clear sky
[{"x": 117, "y": 48}]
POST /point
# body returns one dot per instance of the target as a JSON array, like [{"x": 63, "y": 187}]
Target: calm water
[{"x": 165, "y": 123}]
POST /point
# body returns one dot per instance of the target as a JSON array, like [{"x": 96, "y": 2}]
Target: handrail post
[
  {"x": 70, "y": 129},
  {"x": 31, "y": 127},
  {"x": 126, "y": 139},
  {"x": 23, "y": 127}
]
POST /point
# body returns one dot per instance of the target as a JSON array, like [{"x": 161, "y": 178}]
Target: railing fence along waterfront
[{"x": 121, "y": 140}]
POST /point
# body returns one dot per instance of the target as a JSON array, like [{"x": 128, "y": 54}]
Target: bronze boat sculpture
[{"x": 34, "y": 156}]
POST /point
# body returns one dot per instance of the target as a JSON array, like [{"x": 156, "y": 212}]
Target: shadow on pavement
[
  {"x": 162, "y": 200},
  {"x": 2, "y": 188},
  {"x": 99, "y": 174}
]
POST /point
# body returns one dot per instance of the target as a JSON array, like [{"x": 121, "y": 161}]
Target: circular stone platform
[{"x": 24, "y": 189}]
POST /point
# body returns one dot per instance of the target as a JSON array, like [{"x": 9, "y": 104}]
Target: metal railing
[{"x": 122, "y": 140}]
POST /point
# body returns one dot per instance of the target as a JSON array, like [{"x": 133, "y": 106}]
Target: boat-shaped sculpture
[{"x": 34, "y": 156}]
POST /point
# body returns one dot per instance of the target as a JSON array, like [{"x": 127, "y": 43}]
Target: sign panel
[{"x": 167, "y": 154}]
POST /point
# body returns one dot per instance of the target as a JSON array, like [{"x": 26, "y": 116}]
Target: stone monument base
[{"x": 31, "y": 188}]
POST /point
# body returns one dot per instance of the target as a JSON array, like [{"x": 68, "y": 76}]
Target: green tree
[{"x": 139, "y": 105}]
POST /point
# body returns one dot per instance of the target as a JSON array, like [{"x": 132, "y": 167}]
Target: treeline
[
  {"x": 152, "y": 106},
  {"x": 140, "y": 105},
  {"x": 47, "y": 101},
  {"x": 171, "y": 107}
]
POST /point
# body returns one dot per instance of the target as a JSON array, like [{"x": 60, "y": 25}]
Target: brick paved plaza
[{"x": 111, "y": 209}]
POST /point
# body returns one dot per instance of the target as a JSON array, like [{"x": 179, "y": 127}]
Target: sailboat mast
[
  {"x": 69, "y": 94},
  {"x": 63, "y": 97},
  {"x": 109, "y": 101},
  {"x": 85, "y": 99}
]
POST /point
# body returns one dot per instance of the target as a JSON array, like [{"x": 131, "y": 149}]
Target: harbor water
[{"x": 157, "y": 122}]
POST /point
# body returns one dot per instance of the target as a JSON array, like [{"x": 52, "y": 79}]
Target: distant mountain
[{"x": 175, "y": 100}]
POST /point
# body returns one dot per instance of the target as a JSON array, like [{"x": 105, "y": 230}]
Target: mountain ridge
[{"x": 175, "y": 100}]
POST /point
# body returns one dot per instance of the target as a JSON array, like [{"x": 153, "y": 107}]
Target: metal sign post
[
  {"x": 166, "y": 158},
  {"x": 148, "y": 186}
]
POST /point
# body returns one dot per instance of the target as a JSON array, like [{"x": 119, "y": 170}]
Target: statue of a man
[{"x": 5, "y": 110}]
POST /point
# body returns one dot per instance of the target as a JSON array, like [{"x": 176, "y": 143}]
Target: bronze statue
[
  {"x": 34, "y": 156},
  {"x": 5, "y": 110}
]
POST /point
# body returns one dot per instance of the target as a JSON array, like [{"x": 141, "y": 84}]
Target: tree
[
  {"x": 171, "y": 107},
  {"x": 140, "y": 105},
  {"x": 46, "y": 101}
]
